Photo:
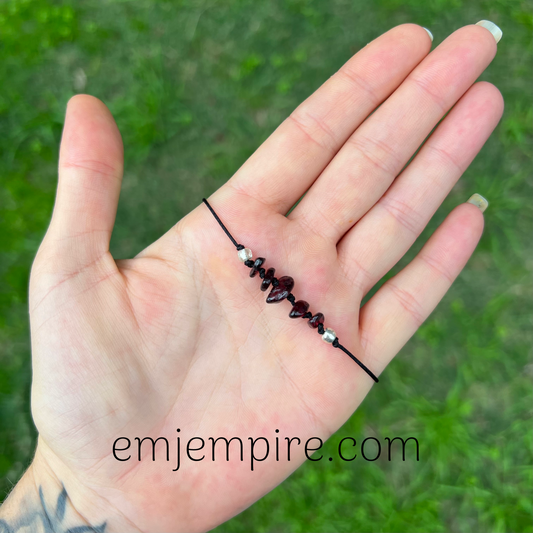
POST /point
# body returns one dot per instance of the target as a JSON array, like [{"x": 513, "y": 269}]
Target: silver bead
[
  {"x": 329, "y": 336},
  {"x": 244, "y": 254}
]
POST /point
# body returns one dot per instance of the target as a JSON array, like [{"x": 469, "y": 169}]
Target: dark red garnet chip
[
  {"x": 299, "y": 309},
  {"x": 267, "y": 280},
  {"x": 283, "y": 289},
  {"x": 316, "y": 320},
  {"x": 257, "y": 265}
]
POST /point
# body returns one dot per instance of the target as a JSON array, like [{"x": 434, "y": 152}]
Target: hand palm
[
  {"x": 181, "y": 337},
  {"x": 140, "y": 372}
]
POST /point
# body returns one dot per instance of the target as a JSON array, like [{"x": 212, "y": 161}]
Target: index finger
[{"x": 290, "y": 160}]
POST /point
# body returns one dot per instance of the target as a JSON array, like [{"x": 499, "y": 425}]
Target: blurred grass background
[{"x": 195, "y": 87}]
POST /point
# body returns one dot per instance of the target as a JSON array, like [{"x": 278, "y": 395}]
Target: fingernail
[
  {"x": 480, "y": 202},
  {"x": 496, "y": 32},
  {"x": 429, "y": 33}
]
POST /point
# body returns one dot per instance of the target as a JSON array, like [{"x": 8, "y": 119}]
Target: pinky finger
[{"x": 391, "y": 317}]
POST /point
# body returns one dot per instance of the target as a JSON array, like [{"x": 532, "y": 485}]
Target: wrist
[
  {"x": 40, "y": 502},
  {"x": 49, "y": 498}
]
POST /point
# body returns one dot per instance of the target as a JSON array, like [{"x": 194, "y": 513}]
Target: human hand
[{"x": 180, "y": 337}]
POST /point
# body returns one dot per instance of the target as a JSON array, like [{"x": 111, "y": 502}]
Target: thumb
[{"x": 90, "y": 175}]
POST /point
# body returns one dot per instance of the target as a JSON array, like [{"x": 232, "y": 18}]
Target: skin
[{"x": 181, "y": 337}]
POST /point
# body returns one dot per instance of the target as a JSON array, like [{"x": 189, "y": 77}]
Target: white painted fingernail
[
  {"x": 480, "y": 202},
  {"x": 429, "y": 33},
  {"x": 496, "y": 32}
]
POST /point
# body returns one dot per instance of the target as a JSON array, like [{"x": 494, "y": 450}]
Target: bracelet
[{"x": 281, "y": 290}]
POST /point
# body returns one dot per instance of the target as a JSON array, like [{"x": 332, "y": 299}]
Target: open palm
[{"x": 181, "y": 337}]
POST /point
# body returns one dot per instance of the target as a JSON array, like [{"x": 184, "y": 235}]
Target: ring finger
[{"x": 387, "y": 231}]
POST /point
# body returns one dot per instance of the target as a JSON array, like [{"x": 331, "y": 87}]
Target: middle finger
[{"x": 377, "y": 151}]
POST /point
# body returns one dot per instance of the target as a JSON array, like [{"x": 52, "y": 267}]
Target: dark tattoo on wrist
[{"x": 43, "y": 519}]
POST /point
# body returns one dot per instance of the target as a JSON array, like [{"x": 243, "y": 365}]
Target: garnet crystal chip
[
  {"x": 299, "y": 309},
  {"x": 281, "y": 291},
  {"x": 316, "y": 320},
  {"x": 267, "y": 280},
  {"x": 257, "y": 265}
]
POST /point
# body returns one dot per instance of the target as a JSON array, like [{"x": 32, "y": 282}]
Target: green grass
[{"x": 195, "y": 88}]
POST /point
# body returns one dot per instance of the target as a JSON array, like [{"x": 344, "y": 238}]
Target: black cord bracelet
[{"x": 281, "y": 290}]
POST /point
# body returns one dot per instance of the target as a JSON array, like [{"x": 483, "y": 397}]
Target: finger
[
  {"x": 90, "y": 174},
  {"x": 369, "y": 161},
  {"x": 381, "y": 238},
  {"x": 288, "y": 162},
  {"x": 389, "y": 319}
]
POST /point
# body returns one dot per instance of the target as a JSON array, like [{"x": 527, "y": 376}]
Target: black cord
[
  {"x": 291, "y": 297},
  {"x": 237, "y": 245},
  {"x": 367, "y": 370}
]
